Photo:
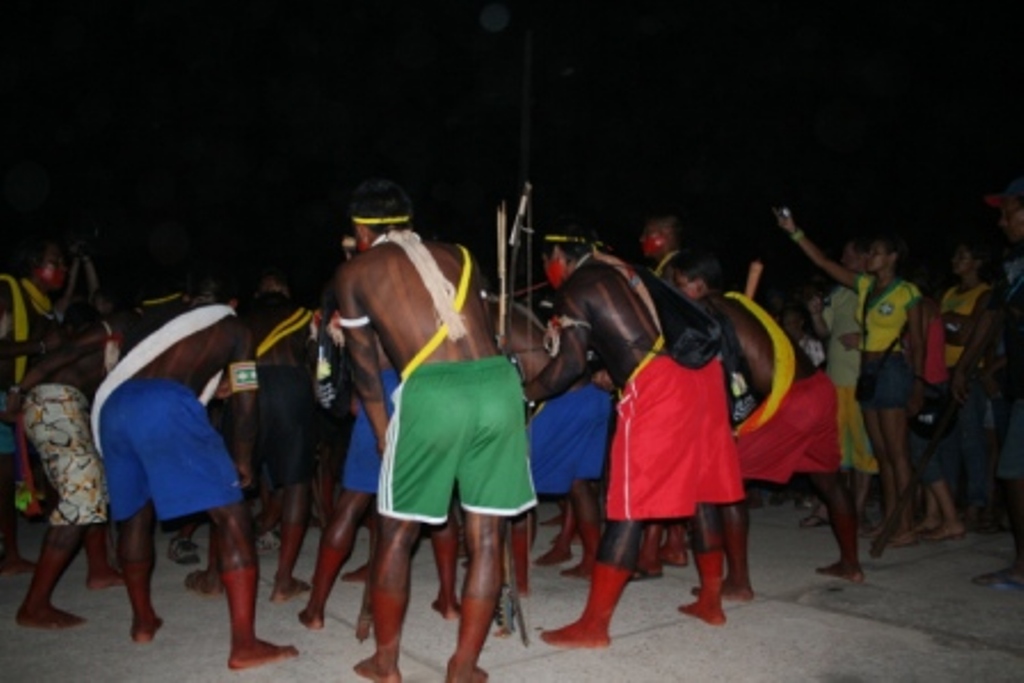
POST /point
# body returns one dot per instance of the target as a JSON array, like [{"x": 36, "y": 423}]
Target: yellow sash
[
  {"x": 20, "y": 315},
  {"x": 40, "y": 301},
  {"x": 785, "y": 366},
  {"x": 161, "y": 300},
  {"x": 442, "y": 332},
  {"x": 296, "y": 321},
  {"x": 659, "y": 269},
  {"x": 659, "y": 344}
]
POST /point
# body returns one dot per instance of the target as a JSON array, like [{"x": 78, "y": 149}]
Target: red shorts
[
  {"x": 801, "y": 437},
  {"x": 673, "y": 447}
]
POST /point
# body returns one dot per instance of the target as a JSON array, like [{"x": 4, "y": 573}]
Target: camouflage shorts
[{"x": 56, "y": 419}]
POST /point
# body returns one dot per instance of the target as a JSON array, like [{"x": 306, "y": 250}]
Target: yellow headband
[
  {"x": 565, "y": 239},
  {"x": 386, "y": 220}
]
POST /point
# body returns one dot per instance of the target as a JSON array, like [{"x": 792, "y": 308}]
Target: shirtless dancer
[
  {"x": 458, "y": 415},
  {"x": 661, "y": 239},
  {"x": 286, "y": 404},
  {"x": 360, "y": 479},
  {"x": 795, "y": 429},
  {"x": 53, "y": 397},
  {"x": 27, "y": 331},
  {"x": 162, "y": 453},
  {"x": 676, "y": 420}
]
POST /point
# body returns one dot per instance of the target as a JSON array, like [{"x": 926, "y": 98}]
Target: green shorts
[{"x": 457, "y": 423}]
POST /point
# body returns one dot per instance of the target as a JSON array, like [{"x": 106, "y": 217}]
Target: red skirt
[
  {"x": 673, "y": 446},
  {"x": 803, "y": 436}
]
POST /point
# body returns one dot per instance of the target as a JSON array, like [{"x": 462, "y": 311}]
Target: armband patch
[
  {"x": 242, "y": 376},
  {"x": 355, "y": 322}
]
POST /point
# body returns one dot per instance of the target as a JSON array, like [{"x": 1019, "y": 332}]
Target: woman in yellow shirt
[
  {"x": 962, "y": 306},
  {"x": 888, "y": 306}
]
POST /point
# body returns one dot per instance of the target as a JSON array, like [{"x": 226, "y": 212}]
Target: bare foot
[
  {"x": 357, "y": 575},
  {"x": 16, "y": 565},
  {"x": 106, "y": 578},
  {"x": 258, "y": 653},
  {"x": 731, "y": 592},
  {"x": 290, "y": 588},
  {"x": 556, "y": 520},
  {"x": 927, "y": 525},
  {"x": 449, "y": 609},
  {"x": 904, "y": 540},
  {"x": 871, "y": 530},
  {"x": 950, "y": 532},
  {"x": 205, "y": 584},
  {"x": 843, "y": 571},
  {"x": 368, "y": 668},
  {"x": 48, "y": 617},
  {"x": 144, "y": 630},
  {"x": 313, "y": 619},
  {"x": 458, "y": 674},
  {"x": 646, "y": 569},
  {"x": 557, "y": 555},
  {"x": 737, "y": 593},
  {"x": 584, "y": 570},
  {"x": 577, "y": 636},
  {"x": 706, "y": 611},
  {"x": 675, "y": 558}
]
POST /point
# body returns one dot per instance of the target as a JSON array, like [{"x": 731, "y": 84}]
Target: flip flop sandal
[
  {"x": 812, "y": 521},
  {"x": 905, "y": 541},
  {"x": 268, "y": 542},
  {"x": 1008, "y": 585},
  {"x": 644, "y": 575},
  {"x": 183, "y": 551},
  {"x": 993, "y": 578}
]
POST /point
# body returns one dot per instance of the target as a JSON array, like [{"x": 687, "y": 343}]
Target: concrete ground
[{"x": 916, "y": 617}]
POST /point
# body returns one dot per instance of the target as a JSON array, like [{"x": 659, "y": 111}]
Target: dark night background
[{"x": 169, "y": 130}]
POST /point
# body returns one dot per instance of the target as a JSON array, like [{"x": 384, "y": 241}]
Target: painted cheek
[
  {"x": 554, "y": 270},
  {"x": 51, "y": 276},
  {"x": 652, "y": 244}
]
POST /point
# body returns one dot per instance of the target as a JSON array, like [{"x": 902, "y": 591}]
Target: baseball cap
[{"x": 1014, "y": 189}]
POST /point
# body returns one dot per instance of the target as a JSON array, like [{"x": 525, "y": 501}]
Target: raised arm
[{"x": 836, "y": 271}]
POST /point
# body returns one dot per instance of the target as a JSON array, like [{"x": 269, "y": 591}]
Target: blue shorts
[
  {"x": 6, "y": 430},
  {"x": 1011, "y": 458},
  {"x": 158, "y": 444},
  {"x": 569, "y": 439},
  {"x": 895, "y": 382},
  {"x": 362, "y": 462}
]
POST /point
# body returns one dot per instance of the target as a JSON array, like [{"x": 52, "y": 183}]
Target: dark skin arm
[
  {"x": 68, "y": 365},
  {"x": 979, "y": 340},
  {"x": 621, "y": 330},
  {"x": 963, "y": 324}
]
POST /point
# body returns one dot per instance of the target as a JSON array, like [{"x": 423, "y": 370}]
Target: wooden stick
[
  {"x": 502, "y": 274},
  {"x": 753, "y": 278}
]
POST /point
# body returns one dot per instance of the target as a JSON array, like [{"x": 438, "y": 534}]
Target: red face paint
[
  {"x": 50, "y": 276},
  {"x": 555, "y": 269},
  {"x": 362, "y": 244},
  {"x": 652, "y": 245}
]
